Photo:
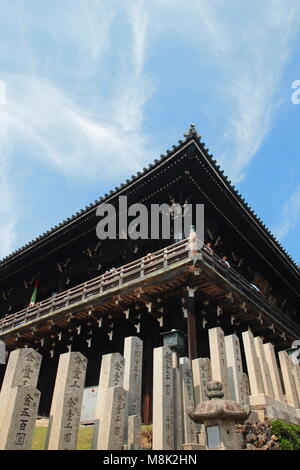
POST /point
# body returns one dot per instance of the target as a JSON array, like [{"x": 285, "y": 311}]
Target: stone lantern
[
  {"x": 219, "y": 417},
  {"x": 175, "y": 339}
]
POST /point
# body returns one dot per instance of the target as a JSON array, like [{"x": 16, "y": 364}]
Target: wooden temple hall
[{"x": 91, "y": 293}]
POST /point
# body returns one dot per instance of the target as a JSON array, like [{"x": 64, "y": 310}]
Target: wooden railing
[
  {"x": 116, "y": 277},
  {"x": 239, "y": 282},
  {"x": 137, "y": 270}
]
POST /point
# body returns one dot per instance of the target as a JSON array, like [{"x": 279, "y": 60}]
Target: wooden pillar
[{"x": 191, "y": 323}]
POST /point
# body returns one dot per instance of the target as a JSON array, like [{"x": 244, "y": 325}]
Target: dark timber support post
[{"x": 191, "y": 323}]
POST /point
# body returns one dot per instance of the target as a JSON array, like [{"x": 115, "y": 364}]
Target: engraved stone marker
[
  {"x": 133, "y": 355},
  {"x": 111, "y": 375},
  {"x": 2, "y": 352},
  {"x": 22, "y": 369},
  {"x": 134, "y": 432},
  {"x": 260, "y": 352},
  {"x": 295, "y": 369},
  {"x": 235, "y": 369},
  {"x": 254, "y": 372},
  {"x": 189, "y": 427},
  {"x": 218, "y": 358},
  {"x": 274, "y": 373},
  {"x": 163, "y": 402},
  {"x": 111, "y": 429},
  {"x": 66, "y": 402},
  {"x": 19, "y": 418},
  {"x": 247, "y": 391},
  {"x": 288, "y": 379},
  {"x": 177, "y": 397},
  {"x": 201, "y": 375}
]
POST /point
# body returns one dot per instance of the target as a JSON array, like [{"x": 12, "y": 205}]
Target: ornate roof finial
[{"x": 191, "y": 132}]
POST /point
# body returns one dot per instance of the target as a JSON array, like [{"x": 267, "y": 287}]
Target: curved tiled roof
[{"x": 190, "y": 135}]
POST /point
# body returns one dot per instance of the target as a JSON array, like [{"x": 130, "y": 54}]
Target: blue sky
[{"x": 96, "y": 89}]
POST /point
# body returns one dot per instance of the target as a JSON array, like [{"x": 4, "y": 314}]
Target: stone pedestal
[
  {"x": 163, "y": 400},
  {"x": 19, "y": 418},
  {"x": 193, "y": 447},
  {"x": 66, "y": 402},
  {"x": 219, "y": 417}
]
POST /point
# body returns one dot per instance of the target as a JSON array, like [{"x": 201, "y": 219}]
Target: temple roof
[{"x": 190, "y": 136}]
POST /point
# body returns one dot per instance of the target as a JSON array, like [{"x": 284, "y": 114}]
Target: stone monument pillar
[
  {"x": 19, "y": 419},
  {"x": 189, "y": 427},
  {"x": 19, "y": 399},
  {"x": 260, "y": 352},
  {"x": 274, "y": 373},
  {"x": 201, "y": 376},
  {"x": 133, "y": 355},
  {"x": 66, "y": 402},
  {"x": 111, "y": 375},
  {"x": 112, "y": 425},
  {"x": 163, "y": 400},
  {"x": 234, "y": 369},
  {"x": 254, "y": 372},
  {"x": 288, "y": 380},
  {"x": 218, "y": 358},
  {"x": 22, "y": 369}
]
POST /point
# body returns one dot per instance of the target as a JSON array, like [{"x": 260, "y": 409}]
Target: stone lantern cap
[{"x": 217, "y": 407}]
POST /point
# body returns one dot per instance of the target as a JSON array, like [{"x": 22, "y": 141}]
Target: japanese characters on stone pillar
[
  {"x": 163, "y": 402},
  {"x": 288, "y": 379},
  {"x": 295, "y": 369},
  {"x": 201, "y": 376},
  {"x": 235, "y": 369},
  {"x": 134, "y": 432},
  {"x": 22, "y": 370},
  {"x": 189, "y": 427},
  {"x": 274, "y": 373},
  {"x": 260, "y": 352},
  {"x": 66, "y": 402},
  {"x": 111, "y": 430},
  {"x": 19, "y": 419},
  {"x": 247, "y": 390},
  {"x": 254, "y": 372},
  {"x": 177, "y": 397},
  {"x": 111, "y": 375},
  {"x": 133, "y": 355},
  {"x": 218, "y": 358}
]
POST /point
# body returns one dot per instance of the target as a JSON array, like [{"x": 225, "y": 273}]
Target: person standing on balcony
[
  {"x": 225, "y": 261},
  {"x": 208, "y": 247}
]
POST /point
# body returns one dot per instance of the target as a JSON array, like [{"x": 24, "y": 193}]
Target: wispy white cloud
[
  {"x": 48, "y": 117},
  {"x": 134, "y": 86},
  {"x": 78, "y": 82},
  {"x": 290, "y": 215},
  {"x": 247, "y": 45}
]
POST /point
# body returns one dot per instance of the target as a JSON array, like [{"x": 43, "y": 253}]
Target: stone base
[
  {"x": 269, "y": 407},
  {"x": 193, "y": 447}
]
